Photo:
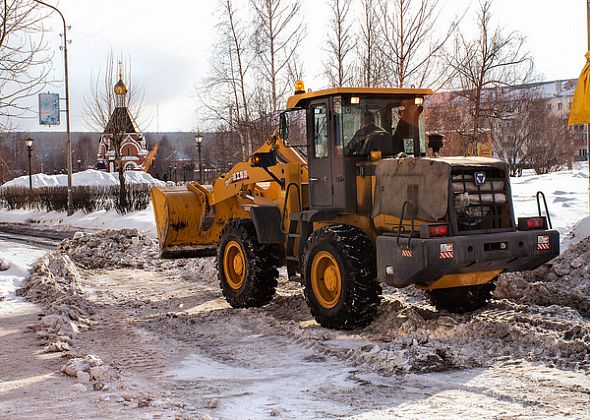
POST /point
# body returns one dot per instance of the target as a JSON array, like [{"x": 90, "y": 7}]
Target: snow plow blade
[{"x": 181, "y": 214}]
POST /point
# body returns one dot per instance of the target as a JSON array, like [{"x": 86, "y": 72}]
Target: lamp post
[
  {"x": 29, "y": 141},
  {"x": 67, "y": 110},
  {"x": 79, "y": 164},
  {"x": 199, "y": 141}
]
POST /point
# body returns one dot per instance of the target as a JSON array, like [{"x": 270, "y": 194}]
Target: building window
[
  {"x": 549, "y": 107},
  {"x": 559, "y": 106}
]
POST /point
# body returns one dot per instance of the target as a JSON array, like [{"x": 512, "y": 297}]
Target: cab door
[{"x": 320, "y": 155}]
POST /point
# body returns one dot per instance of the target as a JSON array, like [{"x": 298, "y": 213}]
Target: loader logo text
[{"x": 237, "y": 176}]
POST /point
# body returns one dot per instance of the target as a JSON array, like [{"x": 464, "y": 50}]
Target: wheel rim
[
  {"x": 234, "y": 265},
  {"x": 326, "y": 280}
]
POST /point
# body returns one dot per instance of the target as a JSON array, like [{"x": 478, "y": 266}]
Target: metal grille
[{"x": 480, "y": 206}]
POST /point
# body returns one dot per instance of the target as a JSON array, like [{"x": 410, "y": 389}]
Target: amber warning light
[{"x": 299, "y": 87}]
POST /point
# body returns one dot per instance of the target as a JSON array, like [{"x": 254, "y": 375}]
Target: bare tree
[
  {"x": 112, "y": 108},
  {"x": 279, "y": 33},
  {"x": 409, "y": 46},
  {"x": 550, "y": 144},
  {"x": 100, "y": 103},
  {"x": 494, "y": 59},
  {"x": 341, "y": 43},
  {"x": 24, "y": 57},
  {"x": 370, "y": 67},
  {"x": 228, "y": 95},
  {"x": 512, "y": 126}
]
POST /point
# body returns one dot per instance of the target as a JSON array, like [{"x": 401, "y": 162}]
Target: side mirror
[
  {"x": 264, "y": 159},
  {"x": 284, "y": 126}
]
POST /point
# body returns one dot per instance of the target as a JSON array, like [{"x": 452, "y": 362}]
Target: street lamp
[
  {"x": 199, "y": 141},
  {"x": 79, "y": 164},
  {"x": 67, "y": 110},
  {"x": 29, "y": 142}
]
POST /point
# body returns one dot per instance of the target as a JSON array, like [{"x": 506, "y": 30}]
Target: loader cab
[{"x": 346, "y": 127}]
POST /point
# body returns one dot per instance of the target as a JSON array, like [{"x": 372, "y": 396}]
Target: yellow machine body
[{"x": 191, "y": 218}]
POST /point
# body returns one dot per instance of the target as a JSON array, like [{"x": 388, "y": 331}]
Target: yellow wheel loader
[{"x": 364, "y": 207}]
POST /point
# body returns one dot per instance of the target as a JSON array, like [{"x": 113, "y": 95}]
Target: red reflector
[
  {"x": 536, "y": 223},
  {"x": 438, "y": 230}
]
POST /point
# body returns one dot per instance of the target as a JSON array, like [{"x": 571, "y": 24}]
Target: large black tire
[
  {"x": 462, "y": 299},
  {"x": 356, "y": 303},
  {"x": 257, "y": 283}
]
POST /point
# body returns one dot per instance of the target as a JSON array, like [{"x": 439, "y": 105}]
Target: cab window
[{"x": 320, "y": 134}]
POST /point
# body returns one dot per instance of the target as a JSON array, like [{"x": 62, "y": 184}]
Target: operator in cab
[{"x": 360, "y": 141}]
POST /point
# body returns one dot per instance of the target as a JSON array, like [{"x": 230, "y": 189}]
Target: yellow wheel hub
[
  {"x": 326, "y": 280},
  {"x": 234, "y": 265}
]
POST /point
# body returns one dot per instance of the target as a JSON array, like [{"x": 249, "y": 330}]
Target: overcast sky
[{"x": 169, "y": 43}]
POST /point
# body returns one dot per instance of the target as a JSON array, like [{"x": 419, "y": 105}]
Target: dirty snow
[
  {"x": 111, "y": 249},
  {"x": 563, "y": 281},
  {"x": 172, "y": 347},
  {"x": 144, "y": 337}
]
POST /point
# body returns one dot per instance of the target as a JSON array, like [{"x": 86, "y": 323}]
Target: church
[{"x": 133, "y": 150}]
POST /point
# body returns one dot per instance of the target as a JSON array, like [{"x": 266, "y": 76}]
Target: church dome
[{"x": 121, "y": 87}]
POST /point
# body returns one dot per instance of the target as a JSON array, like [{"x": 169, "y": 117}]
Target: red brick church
[{"x": 133, "y": 146}]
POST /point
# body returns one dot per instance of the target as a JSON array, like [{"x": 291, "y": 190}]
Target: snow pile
[
  {"x": 89, "y": 369},
  {"x": 197, "y": 269},
  {"x": 564, "y": 281},
  {"x": 55, "y": 283},
  {"x": 566, "y": 193},
  {"x": 89, "y": 177},
  {"x": 110, "y": 249},
  {"x": 580, "y": 231},
  {"x": 16, "y": 262}
]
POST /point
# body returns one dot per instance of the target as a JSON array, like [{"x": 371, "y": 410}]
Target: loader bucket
[{"x": 179, "y": 213}]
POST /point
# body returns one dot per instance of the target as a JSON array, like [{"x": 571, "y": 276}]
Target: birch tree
[
  {"x": 339, "y": 68},
  {"x": 370, "y": 67},
  {"x": 228, "y": 96},
  {"x": 410, "y": 46},
  {"x": 279, "y": 32}
]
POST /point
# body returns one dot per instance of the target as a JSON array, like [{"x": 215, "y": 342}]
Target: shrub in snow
[{"x": 85, "y": 198}]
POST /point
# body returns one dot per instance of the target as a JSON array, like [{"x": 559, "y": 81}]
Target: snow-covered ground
[
  {"x": 142, "y": 220},
  {"x": 20, "y": 259},
  {"x": 178, "y": 350},
  {"x": 566, "y": 193}
]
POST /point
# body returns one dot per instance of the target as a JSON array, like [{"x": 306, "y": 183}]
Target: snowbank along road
[{"x": 144, "y": 337}]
